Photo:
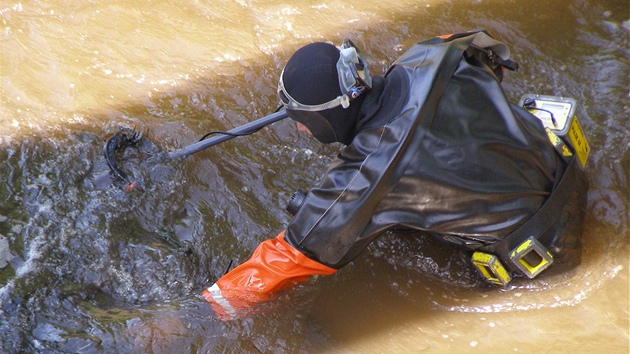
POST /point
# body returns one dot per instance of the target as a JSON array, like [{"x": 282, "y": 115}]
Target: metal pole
[{"x": 244, "y": 129}]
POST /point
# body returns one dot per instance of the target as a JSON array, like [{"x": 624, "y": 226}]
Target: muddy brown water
[{"x": 92, "y": 268}]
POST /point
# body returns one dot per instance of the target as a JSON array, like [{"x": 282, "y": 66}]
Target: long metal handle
[{"x": 244, "y": 129}]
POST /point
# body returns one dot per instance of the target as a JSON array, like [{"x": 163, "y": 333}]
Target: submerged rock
[{"x": 5, "y": 253}]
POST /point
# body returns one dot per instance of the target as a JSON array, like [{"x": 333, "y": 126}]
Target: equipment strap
[{"x": 543, "y": 219}]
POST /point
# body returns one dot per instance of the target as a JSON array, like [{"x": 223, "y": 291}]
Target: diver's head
[{"x": 321, "y": 87}]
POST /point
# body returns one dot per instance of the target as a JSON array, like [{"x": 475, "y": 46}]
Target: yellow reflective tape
[
  {"x": 491, "y": 268},
  {"x": 566, "y": 152},
  {"x": 501, "y": 272},
  {"x": 522, "y": 247},
  {"x": 558, "y": 143},
  {"x": 532, "y": 268},
  {"x": 555, "y": 140},
  {"x": 579, "y": 142}
]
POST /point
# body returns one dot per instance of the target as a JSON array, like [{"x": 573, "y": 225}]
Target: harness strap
[{"x": 543, "y": 219}]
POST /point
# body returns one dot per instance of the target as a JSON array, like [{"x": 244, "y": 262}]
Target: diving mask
[{"x": 354, "y": 78}]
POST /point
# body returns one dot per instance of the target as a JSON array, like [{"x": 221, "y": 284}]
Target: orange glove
[{"x": 274, "y": 265}]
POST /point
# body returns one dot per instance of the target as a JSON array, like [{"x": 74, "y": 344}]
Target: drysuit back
[{"x": 462, "y": 164}]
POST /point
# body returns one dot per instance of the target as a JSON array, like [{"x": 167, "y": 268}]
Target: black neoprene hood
[{"x": 310, "y": 77}]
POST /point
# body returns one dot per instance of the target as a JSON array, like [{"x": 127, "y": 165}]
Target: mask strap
[
  {"x": 291, "y": 103},
  {"x": 351, "y": 83}
]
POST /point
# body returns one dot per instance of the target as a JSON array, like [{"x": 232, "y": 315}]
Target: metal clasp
[
  {"x": 531, "y": 257},
  {"x": 491, "y": 268}
]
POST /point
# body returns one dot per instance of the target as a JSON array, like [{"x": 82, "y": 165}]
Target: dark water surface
[{"x": 92, "y": 268}]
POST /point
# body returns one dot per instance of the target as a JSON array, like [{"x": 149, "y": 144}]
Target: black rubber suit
[
  {"x": 447, "y": 155},
  {"x": 434, "y": 146}
]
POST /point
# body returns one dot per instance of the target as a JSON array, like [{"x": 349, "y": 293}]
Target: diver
[{"x": 434, "y": 146}]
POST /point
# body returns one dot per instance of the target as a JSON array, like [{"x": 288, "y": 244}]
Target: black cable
[
  {"x": 530, "y": 103},
  {"x": 553, "y": 119},
  {"x": 228, "y": 267},
  {"x": 236, "y": 135},
  {"x": 226, "y": 133}
]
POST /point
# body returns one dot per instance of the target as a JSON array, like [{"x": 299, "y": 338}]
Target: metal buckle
[
  {"x": 531, "y": 257},
  {"x": 491, "y": 268}
]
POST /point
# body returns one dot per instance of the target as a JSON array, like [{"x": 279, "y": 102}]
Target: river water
[{"x": 92, "y": 268}]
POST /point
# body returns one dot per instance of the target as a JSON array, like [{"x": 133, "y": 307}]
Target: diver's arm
[{"x": 273, "y": 266}]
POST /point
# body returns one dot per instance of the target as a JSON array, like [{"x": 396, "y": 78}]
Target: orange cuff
[{"x": 274, "y": 265}]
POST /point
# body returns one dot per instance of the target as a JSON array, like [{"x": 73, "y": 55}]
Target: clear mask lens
[{"x": 352, "y": 68}]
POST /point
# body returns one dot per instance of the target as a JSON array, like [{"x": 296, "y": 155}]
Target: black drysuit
[{"x": 438, "y": 148}]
